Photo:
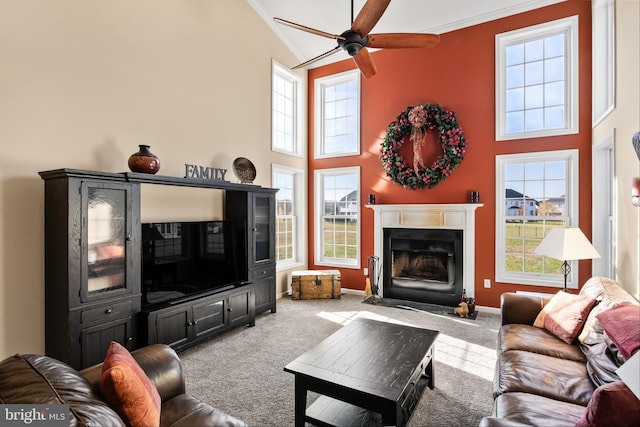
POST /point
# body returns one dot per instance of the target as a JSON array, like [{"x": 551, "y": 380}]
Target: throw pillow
[
  {"x": 612, "y": 404},
  {"x": 128, "y": 390},
  {"x": 565, "y": 314},
  {"x": 621, "y": 326}
]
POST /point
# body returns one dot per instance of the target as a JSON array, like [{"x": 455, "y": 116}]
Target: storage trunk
[{"x": 315, "y": 284}]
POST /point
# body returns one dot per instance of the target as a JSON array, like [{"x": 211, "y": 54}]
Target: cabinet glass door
[
  {"x": 262, "y": 210},
  {"x": 106, "y": 237}
]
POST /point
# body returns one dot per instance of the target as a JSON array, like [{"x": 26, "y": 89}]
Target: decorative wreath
[{"x": 415, "y": 122}]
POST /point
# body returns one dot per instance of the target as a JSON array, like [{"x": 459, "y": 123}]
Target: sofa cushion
[
  {"x": 560, "y": 379},
  {"x": 612, "y": 404},
  {"x": 534, "y": 410},
  {"x": 536, "y": 340},
  {"x": 30, "y": 378},
  {"x": 565, "y": 315},
  {"x": 621, "y": 326},
  {"x": 126, "y": 387},
  {"x": 186, "y": 411},
  {"x": 608, "y": 293}
]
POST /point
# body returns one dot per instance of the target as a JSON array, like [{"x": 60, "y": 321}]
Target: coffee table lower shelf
[{"x": 329, "y": 412}]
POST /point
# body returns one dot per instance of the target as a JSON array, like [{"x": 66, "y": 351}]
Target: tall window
[
  {"x": 286, "y": 111},
  {"x": 535, "y": 192},
  {"x": 537, "y": 80},
  {"x": 337, "y": 217},
  {"x": 337, "y": 115},
  {"x": 289, "y": 215}
]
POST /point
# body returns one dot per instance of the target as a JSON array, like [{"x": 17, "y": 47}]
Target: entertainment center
[{"x": 108, "y": 276}]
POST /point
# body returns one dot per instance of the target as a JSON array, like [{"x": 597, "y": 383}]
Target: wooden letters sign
[{"x": 204, "y": 172}]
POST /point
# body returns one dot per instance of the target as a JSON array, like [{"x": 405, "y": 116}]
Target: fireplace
[
  {"x": 426, "y": 251},
  {"x": 423, "y": 265}
]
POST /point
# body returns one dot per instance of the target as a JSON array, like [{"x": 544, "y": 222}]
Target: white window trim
[
  {"x": 603, "y": 61},
  {"x": 572, "y": 212},
  {"x": 319, "y": 112},
  {"x": 570, "y": 27},
  {"x": 296, "y": 80},
  {"x": 318, "y": 214},
  {"x": 300, "y": 214}
]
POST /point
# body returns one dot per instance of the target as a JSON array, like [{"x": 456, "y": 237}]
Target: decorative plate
[{"x": 244, "y": 170}]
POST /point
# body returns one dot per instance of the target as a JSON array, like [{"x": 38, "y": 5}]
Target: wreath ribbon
[{"x": 414, "y": 122}]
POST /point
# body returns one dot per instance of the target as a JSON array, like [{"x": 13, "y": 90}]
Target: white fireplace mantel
[{"x": 458, "y": 216}]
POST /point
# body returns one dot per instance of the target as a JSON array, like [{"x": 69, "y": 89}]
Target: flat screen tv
[{"x": 183, "y": 260}]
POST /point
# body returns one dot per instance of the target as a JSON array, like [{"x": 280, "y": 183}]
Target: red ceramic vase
[{"x": 144, "y": 161}]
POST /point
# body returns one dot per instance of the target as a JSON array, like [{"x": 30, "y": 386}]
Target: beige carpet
[{"x": 241, "y": 372}]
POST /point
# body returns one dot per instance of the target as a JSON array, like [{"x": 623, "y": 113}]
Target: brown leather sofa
[
  {"x": 541, "y": 380},
  {"x": 40, "y": 379}
]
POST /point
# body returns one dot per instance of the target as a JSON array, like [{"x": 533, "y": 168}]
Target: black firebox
[{"x": 423, "y": 265}]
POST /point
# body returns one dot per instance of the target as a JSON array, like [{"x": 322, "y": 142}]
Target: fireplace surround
[{"x": 426, "y": 251}]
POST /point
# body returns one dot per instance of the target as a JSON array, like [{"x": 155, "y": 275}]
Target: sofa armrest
[
  {"x": 161, "y": 364},
  {"x": 521, "y": 308}
]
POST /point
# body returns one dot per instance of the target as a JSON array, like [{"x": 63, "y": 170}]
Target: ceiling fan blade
[
  {"x": 365, "y": 63},
  {"x": 369, "y": 15},
  {"x": 308, "y": 29},
  {"x": 402, "y": 40},
  {"x": 318, "y": 58}
]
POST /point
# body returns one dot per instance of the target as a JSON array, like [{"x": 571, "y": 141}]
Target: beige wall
[
  {"x": 82, "y": 83},
  {"x": 624, "y": 121}
]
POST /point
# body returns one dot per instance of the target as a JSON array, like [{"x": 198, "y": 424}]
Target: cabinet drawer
[
  {"x": 260, "y": 273},
  {"x": 107, "y": 312}
]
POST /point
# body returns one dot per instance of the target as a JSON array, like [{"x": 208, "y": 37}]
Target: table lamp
[{"x": 566, "y": 244}]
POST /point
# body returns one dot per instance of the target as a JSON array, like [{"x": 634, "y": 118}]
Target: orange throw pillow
[
  {"x": 564, "y": 315},
  {"x": 128, "y": 390}
]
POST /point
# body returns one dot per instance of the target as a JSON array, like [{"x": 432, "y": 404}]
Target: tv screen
[{"x": 181, "y": 260}]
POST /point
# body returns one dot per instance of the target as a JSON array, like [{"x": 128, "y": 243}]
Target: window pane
[
  {"x": 337, "y": 116},
  {"x": 534, "y": 96},
  {"x": 554, "y": 46},
  {"x": 554, "y": 70},
  {"x": 533, "y": 72},
  {"x": 534, "y": 78},
  {"x": 339, "y": 217},
  {"x": 514, "y": 76},
  {"x": 284, "y": 114},
  {"x": 537, "y": 198},
  {"x": 533, "y": 50},
  {"x": 515, "y": 122},
  {"x": 533, "y": 120},
  {"x": 515, "y": 99},
  {"x": 514, "y": 54}
]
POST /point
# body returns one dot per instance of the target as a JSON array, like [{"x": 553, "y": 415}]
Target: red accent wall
[{"x": 459, "y": 75}]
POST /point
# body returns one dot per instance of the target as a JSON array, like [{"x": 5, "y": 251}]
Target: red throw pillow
[
  {"x": 612, "y": 404},
  {"x": 128, "y": 390},
  {"x": 565, "y": 314},
  {"x": 621, "y": 324}
]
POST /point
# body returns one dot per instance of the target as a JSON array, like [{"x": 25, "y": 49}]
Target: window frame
[
  {"x": 568, "y": 26},
  {"x": 298, "y": 214},
  {"x": 319, "y": 112},
  {"x": 319, "y": 258},
  {"x": 571, "y": 156},
  {"x": 278, "y": 70}
]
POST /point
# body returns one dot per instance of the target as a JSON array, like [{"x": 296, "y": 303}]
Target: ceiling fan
[{"x": 356, "y": 39}]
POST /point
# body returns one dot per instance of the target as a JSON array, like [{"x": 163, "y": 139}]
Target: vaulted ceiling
[{"x": 401, "y": 16}]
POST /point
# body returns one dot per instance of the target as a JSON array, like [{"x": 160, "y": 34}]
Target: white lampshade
[{"x": 567, "y": 244}]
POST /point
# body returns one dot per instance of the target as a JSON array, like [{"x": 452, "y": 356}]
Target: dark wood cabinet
[
  {"x": 258, "y": 210},
  {"x": 92, "y": 264},
  {"x": 190, "y": 322},
  {"x": 93, "y": 244}
]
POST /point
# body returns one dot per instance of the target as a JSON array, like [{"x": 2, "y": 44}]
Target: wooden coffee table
[{"x": 368, "y": 373}]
